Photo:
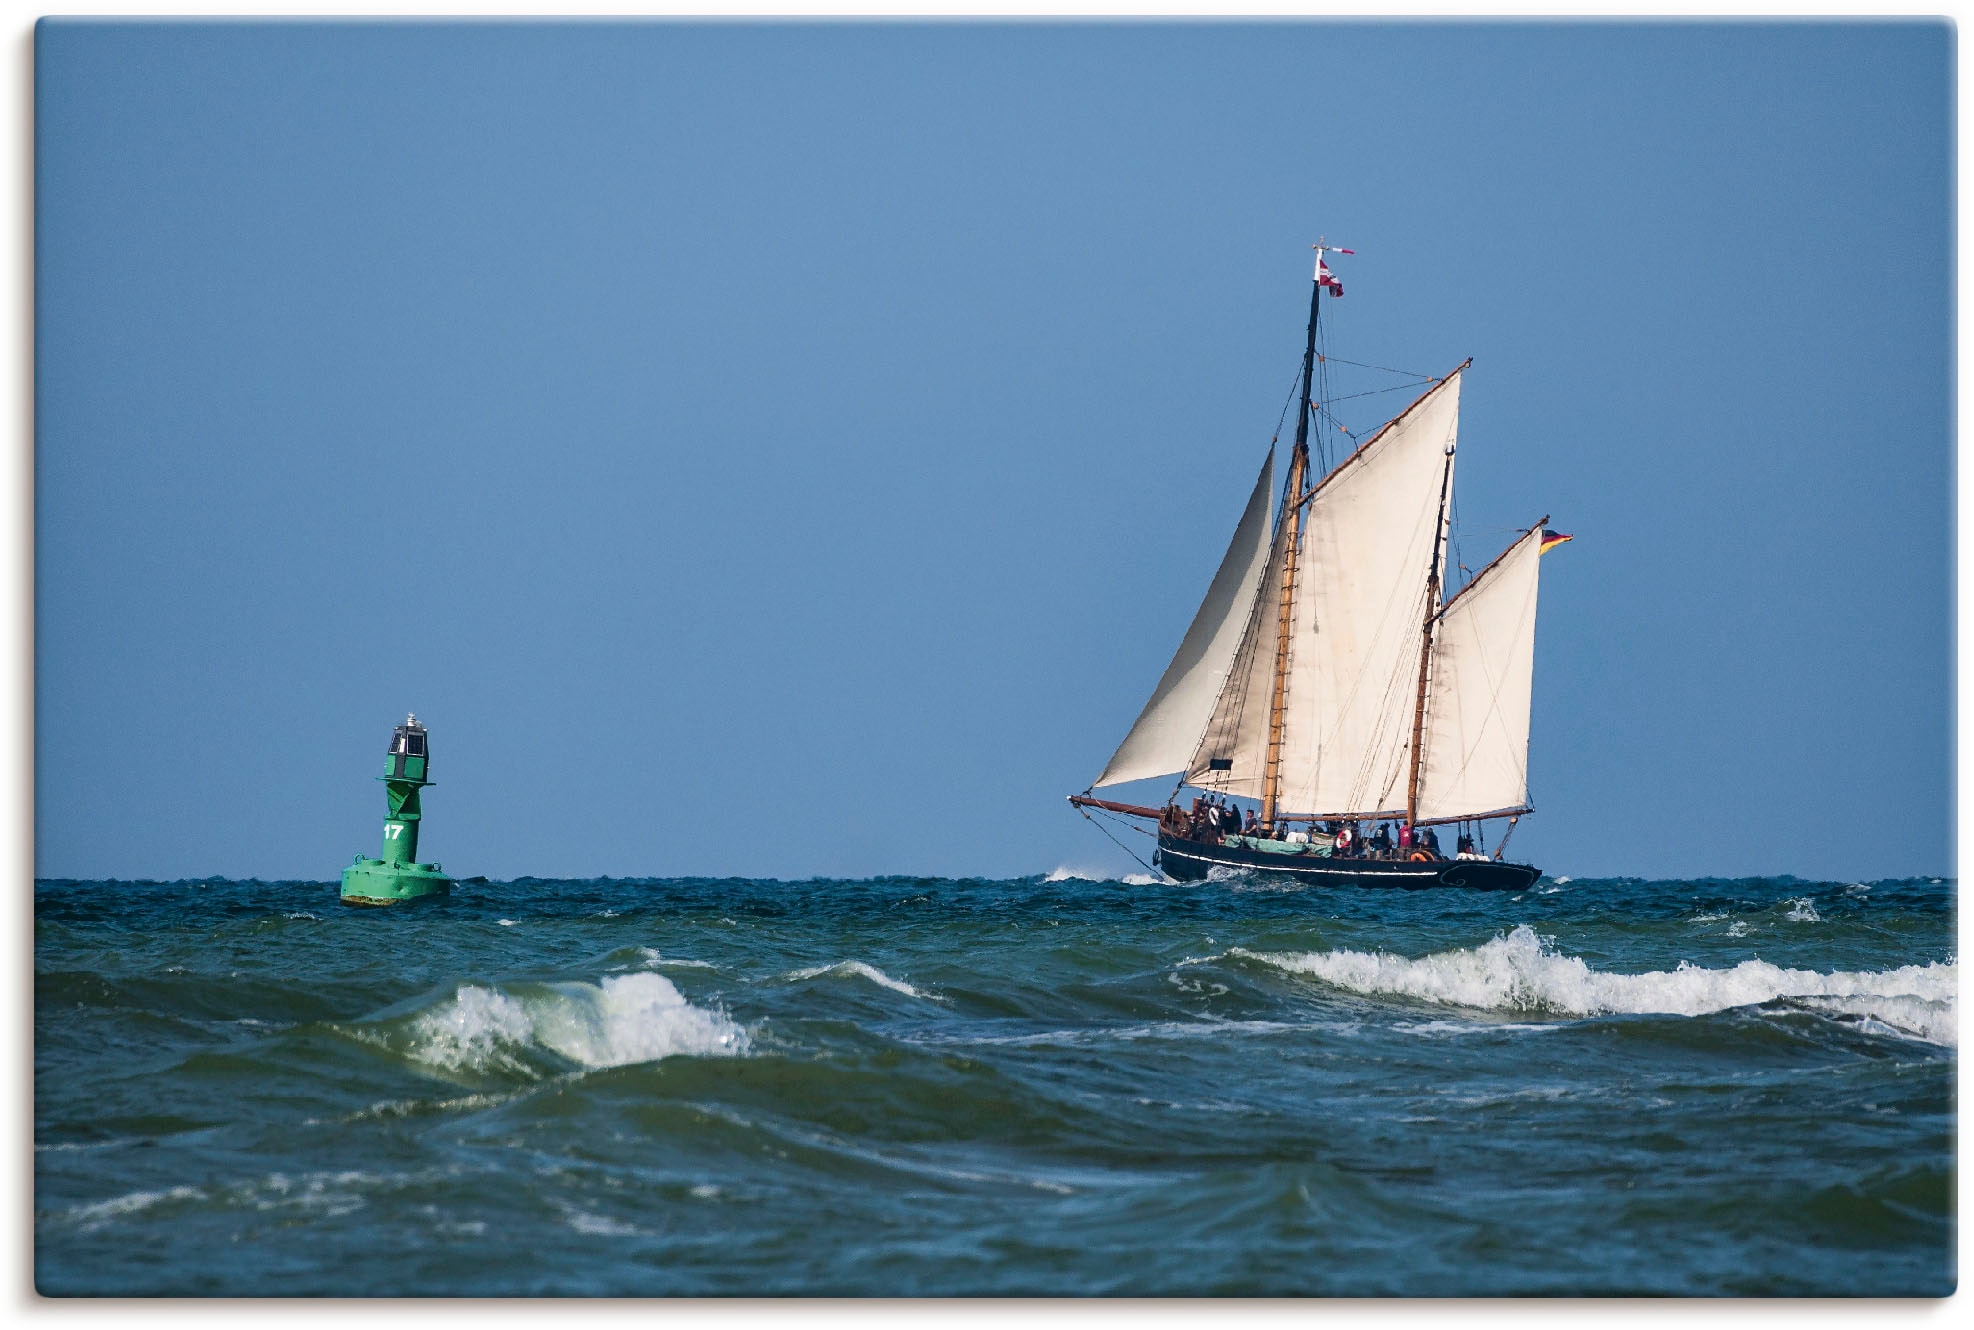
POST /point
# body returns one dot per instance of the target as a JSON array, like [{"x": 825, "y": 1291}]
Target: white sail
[
  {"x": 1358, "y": 612},
  {"x": 1476, "y": 738},
  {"x": 1231, "y": 752},
  {"x": 1168, "y": 729}
]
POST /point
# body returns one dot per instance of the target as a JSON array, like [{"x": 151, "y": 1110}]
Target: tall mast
[
  {"x": 1285, "y": 602},
  {"x": 1426, "y": 644}
]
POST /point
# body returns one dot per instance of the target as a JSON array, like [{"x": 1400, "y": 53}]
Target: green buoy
[{"x": 398, "y": 876}]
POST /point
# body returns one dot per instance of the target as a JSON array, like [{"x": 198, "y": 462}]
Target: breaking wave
[
  {"x": 1519, "y": 972},
  {"x": 859, "y": 970},
  {"x": 625, "y": 1019},
  {"x": 1063, "y": 873}
]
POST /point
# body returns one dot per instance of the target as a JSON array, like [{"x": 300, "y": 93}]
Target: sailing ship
[{"x": 1328, "y": 676}]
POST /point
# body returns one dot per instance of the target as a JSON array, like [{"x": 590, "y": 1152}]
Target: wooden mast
[
  {"x": 1285, "y": 601},
  {"x": 1426, "y": 644}
]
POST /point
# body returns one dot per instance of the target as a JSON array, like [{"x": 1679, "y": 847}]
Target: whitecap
[
  {"x": 628, "y": 1018},
  {"x": 97, "y": 1213},
  {"x": 859, "y": 970},
  {"x": 1803, "y": 911},
  {"x": 1064, "y": 873},
  {"x": 1934, "y": 1020},
  {"x": 584, "y": 1222},
  {"x": 650, "y": 956},
  {"x": 506, "y": 923},
  {"x": 1521, "y": 972}
]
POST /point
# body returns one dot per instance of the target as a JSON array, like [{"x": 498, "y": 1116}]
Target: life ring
[{"x": 1421, "y": 857}]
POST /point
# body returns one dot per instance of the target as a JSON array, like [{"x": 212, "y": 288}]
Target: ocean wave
[
  {"x": 650, "y": 956},
  {"x": 1520, "y": 972},
  {"x": 627, "y": 1018},
  {"x": 97, "y": 1213},
  {"x": 1064, "y": 873},
  {"x": 860, "y": 970}
]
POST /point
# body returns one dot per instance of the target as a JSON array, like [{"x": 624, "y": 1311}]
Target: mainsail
[
  {"x": 1477, "y": 713},
  {"x": 1168, "y": 729},
  {"x": 1359, "y": 610}
]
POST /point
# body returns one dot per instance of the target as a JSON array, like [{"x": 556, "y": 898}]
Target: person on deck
[
  {"x": 1430, "y": 839},
  {"x": 1252, "y": 825},
  {"x": 1381, "y": 841},
  {"x": 1404, "y": 835}
]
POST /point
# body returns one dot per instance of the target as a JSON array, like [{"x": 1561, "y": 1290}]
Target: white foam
[
  {"x": 1064, "y": 873},
  {"x": 505, "y": 923},
  {"x": 1520, "y": 972},
  {"x": 650, "y": 956},
  {"x": 1803, "y": 911},
  {"x": 471, "y": 1030},
  {"x": 861, "y": 971},
  {"x": 584, "y": 1222},
  {"x": 1930, "y": 1019},
  {"x": 98, "y": 1213},
  {"x": 627, "y": 1018}
]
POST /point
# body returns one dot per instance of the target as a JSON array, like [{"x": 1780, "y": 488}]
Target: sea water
[{"x": 1054, "y": 1085}]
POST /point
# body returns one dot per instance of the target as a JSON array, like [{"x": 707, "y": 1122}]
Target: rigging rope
[
  {"x": 1380, "y": 368},
  {"x": 1118, "y": 843}
]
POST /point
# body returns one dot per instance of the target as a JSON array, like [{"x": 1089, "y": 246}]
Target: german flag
[{"x": 1551, "y": 539}]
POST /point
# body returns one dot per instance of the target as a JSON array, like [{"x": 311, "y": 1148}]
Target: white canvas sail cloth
[
  {"x": 1477, "y": 712},
  {"x": 1358, "y": 613},
  {"x": 1168, "y": 729}
]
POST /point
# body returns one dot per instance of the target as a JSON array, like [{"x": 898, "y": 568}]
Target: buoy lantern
[{"x": 398, "y": 876}]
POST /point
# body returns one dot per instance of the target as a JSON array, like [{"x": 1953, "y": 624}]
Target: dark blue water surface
[{"x": 1050, "y": 1086}]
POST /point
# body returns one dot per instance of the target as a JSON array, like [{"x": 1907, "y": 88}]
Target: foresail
[
  {"x": 1360, "y": 611},
  {"x": 1232, "y": 750},
  {"x": 1477, "y": 711},
  {"x": 1168, "y": 729}
]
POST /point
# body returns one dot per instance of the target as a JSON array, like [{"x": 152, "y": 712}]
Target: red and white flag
[{"x": 1324, "y": 277}]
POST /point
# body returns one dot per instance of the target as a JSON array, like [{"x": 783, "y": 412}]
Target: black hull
[{"x": 1190, "y": 860}]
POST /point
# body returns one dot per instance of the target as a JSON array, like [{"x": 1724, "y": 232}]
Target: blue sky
[{"x": 787, "y": 450}]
